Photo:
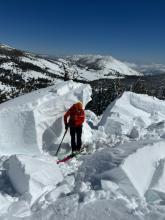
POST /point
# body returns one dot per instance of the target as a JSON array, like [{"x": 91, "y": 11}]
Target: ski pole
[{"x": 61, "y": 142}]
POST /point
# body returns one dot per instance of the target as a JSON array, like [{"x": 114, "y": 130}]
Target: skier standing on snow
[{"x": 76, "y": 116}]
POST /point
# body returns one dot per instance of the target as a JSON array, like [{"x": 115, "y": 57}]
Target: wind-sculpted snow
[{"x": 33, "y": 123}]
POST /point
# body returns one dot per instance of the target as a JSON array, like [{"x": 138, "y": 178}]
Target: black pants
[{"x": 76, "y": 133}]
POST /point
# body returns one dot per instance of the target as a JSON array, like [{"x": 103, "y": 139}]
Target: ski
[{"x": 70, "y": 156}]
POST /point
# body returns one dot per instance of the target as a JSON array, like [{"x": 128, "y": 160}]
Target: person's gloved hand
[{"x": 66, "y": 126}]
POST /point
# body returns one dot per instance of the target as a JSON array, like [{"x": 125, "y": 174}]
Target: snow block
[
  {"x": 136, "y": 168},
  {"x": 142, "y": 171},
  {"x": 32, "y": 176},
  {"x": 132, "y": 111},
  {"x": 142, "y": 166},
  {"x": 33, "y": 123}
]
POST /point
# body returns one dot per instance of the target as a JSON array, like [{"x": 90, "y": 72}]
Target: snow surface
[
  {"x": 5, "y": 88},
  {"x": 42, "y": 63},
  {"x": 34, "y": 75},
  {"x": 11, "y": 66},
  {"x": 120, "y": 176},
  {"x": 8, "y": 65}
]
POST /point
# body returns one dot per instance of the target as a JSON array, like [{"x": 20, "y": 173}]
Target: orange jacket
[{"x": 76, "y": 114}]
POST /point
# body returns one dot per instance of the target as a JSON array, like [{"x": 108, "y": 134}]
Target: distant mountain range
[{"x": 148, "y": 69}]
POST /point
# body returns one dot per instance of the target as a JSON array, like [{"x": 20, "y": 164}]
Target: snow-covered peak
[{"x": 105, "y": 65}]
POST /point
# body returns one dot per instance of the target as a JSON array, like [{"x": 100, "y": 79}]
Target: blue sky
[{"x": 132, "y": 30}]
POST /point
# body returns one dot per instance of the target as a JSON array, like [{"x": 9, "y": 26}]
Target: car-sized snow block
[
  {"x": 142, "y": 166},
  {"x": 31, "y": 176},
  {"x": 33, "y": 123},
  {"x": 131, "y": 113},
  {"x": 142, "y": 169},
  {"x": 135, "y": 168}
]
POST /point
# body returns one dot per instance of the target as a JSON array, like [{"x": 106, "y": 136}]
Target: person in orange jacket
[{"x": 76, "y": 116}]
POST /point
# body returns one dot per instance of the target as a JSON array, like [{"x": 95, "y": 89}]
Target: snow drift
[{"x": 33, "y": 123}]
